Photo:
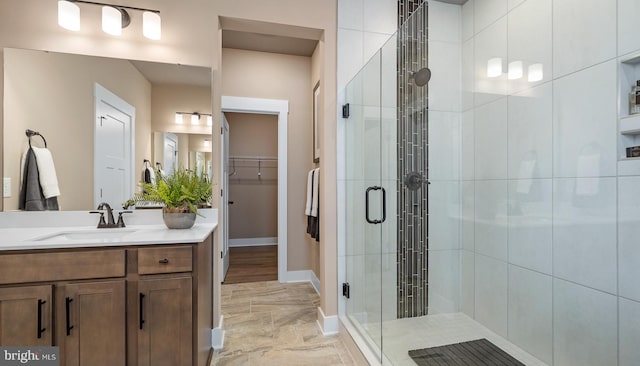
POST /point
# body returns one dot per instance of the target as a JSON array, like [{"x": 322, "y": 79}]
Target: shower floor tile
[{"x": 402, "y": 335}]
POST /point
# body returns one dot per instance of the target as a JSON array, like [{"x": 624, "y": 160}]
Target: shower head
[{"x": 421, "y": 77}]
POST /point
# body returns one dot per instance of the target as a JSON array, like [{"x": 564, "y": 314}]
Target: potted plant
[{"x": 180, "y": 194}]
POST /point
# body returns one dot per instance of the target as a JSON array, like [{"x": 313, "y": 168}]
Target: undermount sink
[{"x": 105, "y": 235}]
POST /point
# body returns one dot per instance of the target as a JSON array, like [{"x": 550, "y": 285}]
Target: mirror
[{"x": 58, "y": 95}]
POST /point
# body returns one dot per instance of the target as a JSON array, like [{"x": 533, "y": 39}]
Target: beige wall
[
  {"x": 276, "y": 76},
  {"x": 53, "y": 93},
  {"x": 167, "y": 99},
  {"x": 254, "y": 213}
]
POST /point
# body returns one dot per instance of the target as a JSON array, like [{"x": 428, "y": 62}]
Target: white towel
[
  {"x": 316, "y": 184},
  {"x": 152, "y": 175},
  {"x": 46, "y": 172},
  {"x": 307, "y": 207}
]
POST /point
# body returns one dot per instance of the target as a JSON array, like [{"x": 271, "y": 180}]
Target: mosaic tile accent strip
[{"x": 412, "y": 158}]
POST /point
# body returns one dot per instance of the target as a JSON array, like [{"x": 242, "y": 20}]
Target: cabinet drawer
[
  {"x": 23, "y": 268},
  {"x": 164, "y": 260}
]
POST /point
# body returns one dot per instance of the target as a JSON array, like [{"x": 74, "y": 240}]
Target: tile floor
[{"x": 268, "y": 323}]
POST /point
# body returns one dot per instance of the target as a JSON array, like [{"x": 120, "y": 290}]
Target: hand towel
[
  {"x": 307, "y": 207},
  {"x": 31, "y": 197},
  {"x": 316, "y": 184},
  {"x": 149, "y": 176},
  {"x": 46, "y": 172}
]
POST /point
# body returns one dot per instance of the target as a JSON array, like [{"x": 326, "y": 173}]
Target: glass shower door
[{"x": 365, "y": 203}]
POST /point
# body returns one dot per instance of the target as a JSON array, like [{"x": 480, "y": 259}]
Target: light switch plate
[{"x": 6, "y": 187}]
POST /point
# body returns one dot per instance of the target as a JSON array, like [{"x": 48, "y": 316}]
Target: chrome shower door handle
[{"x": 366, "y": 204}]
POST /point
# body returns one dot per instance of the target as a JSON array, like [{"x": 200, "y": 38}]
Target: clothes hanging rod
[{"x": 254, "y": 158}]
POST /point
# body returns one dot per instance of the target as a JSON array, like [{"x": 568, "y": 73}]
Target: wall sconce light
[
  {"x": 535, "y": 72},
  {"x": 515, "y": 70},
  {"x": 494, "y": 67},
  {"x": 195, "y": 118},
  {"x": 206, "y": 143},
  {"x": 114, "y": 18}
]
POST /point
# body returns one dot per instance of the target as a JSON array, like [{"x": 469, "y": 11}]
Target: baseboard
[
  {"x": 328, "y": 324},
  {"x": 252, "y": 242},
  {"x": 217, "y": 335},
  {"x": 304, "y": 276}
]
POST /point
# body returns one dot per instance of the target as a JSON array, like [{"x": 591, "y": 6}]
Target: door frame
[
  {"x": 100, "y": 93},
  {"x": 280, "y": 108}
]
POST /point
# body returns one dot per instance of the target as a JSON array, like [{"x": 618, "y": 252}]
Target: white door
[
  {"x": 225, "y": 196},
  {"x": 114, "y": 180},
  {"x": 170, "y": 163}
]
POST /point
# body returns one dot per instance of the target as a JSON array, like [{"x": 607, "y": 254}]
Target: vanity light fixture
[
  {"x": 515, "y": 70},
  {"x": 535, "y": 72},
  {"x": 114, "y": 18},
  {"x": 195, "y": 118},
  {"x": 206, "y": 143},
  {"x": 494, "y": 67}
]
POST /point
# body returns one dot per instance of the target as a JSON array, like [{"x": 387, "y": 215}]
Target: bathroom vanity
[{"x": 135, "y": 296}]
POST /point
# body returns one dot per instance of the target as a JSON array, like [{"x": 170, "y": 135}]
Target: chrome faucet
[{"x": 110, "y": 220}]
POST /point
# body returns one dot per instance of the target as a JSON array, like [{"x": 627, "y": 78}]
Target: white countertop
[{"x": 52, "y": 230}]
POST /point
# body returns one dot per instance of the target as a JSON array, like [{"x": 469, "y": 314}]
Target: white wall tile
[
  {"x": 468, "y": 216},
  {"x": 350, "y": 14},
  {"x": 488, "y": 11},
  {"x": 467, "y": 20},
  {"x": 389, "y": 147},
  {"x": 491, "y": 140},
  {"x": 584, "y": 325},
  {"x": 381, "y": 16},
  {"x": 530, "y": 40},
  {"x": 444, "y": 86},
  {"x": 629, "y": 332},
  {"x": 584, "y": 232},
  {"x": 444, "y": 215},
  {"x": 444, "y": 281},
  {"x": 490, "y": 43},
  {"x": 350, "y": 45},
  {"x": 444, "y": 22},
  {"x": 444, "y": 145},
  {"x": 491, "y": 294},
  {"x": 628, "y": 40},
  {"x": 585, "y": 123},
  {"x": 390, "y": 226},
  {"x": 468, "y": 283},
  {"x": 530, "y": 312},
  {"x": 628, "y": 237},
  {"x": 373, "y": 42},
  {"x": 584, "y": 34},
  {"x": 514, "y": 3},
  {"x": 491, "y": 218},
  {"x": 530, "y": 224},
  {"x": 468, "y": 75},
  {"x": 467, "y": 159},
  {"x": 530, "y": 119},
  {"x": 389, "y": 286}
]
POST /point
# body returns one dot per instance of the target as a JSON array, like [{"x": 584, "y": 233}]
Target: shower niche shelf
[{"x": 628, "y": 124}]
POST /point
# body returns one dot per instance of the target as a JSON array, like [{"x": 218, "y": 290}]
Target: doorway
[
  {"x": 114, "y": 136},
  {"x": 280, "y": 109}
]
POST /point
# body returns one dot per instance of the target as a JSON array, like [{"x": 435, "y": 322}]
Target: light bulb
[
  {"x": 515, "y": 70},
  {"x": 68, "y": 15},
  {"x": 535, "y": 72},
  {"x": 205, "y": 143},
  {"x": 494, "y": 67},
  {"x": 111, "y": 20},
  {"x": 179, "y": 119},
  {"x": 151, "y": 25},
  {"x": 195, "y": 119},
  {"x": 209, "y": 121}
]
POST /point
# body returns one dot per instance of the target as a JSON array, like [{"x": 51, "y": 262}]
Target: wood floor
[{"x": 252, "y": 264}]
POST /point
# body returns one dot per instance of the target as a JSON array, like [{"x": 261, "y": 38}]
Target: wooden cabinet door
[
  {"x": 91, "y": 323},
  {"x": 25, "y": 316},
  {"x": 165, "y": 322}
]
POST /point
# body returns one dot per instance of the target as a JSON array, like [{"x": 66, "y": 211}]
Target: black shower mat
[{"x": 480, "y": 352}]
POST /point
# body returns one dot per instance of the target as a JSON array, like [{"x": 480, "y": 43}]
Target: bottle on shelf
[{"x": 634, "y": 98}]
